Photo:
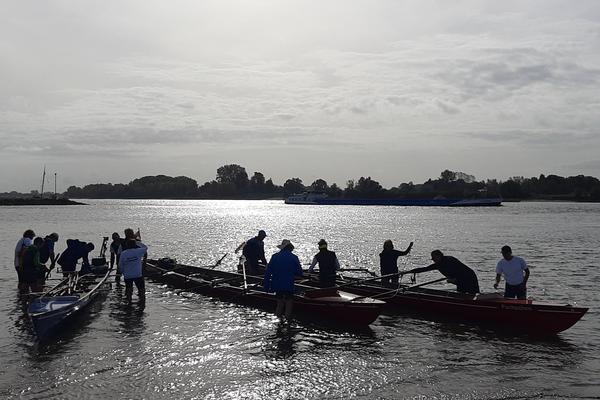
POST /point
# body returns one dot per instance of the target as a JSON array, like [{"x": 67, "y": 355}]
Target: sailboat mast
[{"x": 43, "y": 179}]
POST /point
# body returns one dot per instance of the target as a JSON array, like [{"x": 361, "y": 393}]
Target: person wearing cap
[
  {"x": 388, "y": 262},
  {"x": 282, "y": 268},
  {"x": 516, "y": 274},
  {"x": 328, "y": 265},
  {"x": 23, "y": 243},
  {"x": 254, "y": 252},
  {"x": 458, "y": 273}
]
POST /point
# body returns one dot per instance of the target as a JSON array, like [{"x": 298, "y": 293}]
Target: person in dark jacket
[
  {"x": 23, "y": 243},
  {"x": 458, "y": 273},
  {"x": 328, "y": 265},
  {"x": 75, "y": 250},
  {"x": 388, "y": 262},
  {"x": 254, "y": 252},
  {"x": 116, "y": 247},
  {"x": 47, "y": 250},
  {"x": 32, "y": 268},
  {"x": 283, "y": 267}
]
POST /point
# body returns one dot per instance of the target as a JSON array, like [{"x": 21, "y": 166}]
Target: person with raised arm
[{"x": 388, "y": 262}]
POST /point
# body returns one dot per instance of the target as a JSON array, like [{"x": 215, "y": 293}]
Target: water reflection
[
  {"x": 280, "y": 345},
  {"x": 130, "y": 316}
]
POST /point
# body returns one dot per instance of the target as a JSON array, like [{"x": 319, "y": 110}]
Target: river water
[{"x": 184, "y": 345}]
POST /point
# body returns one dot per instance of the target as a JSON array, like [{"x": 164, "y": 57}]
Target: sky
[{"x": 109, "y": 91}]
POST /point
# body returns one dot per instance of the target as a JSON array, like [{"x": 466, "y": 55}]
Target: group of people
[
  {"x": 284, "y": 267},
  {"x": 32, "y": 253}
]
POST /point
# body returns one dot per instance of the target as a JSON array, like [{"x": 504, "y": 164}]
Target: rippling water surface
[{"x": 183, "y": 345}]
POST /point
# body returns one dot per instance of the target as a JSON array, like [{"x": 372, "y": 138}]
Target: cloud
[{"x": 300, "y": 77}]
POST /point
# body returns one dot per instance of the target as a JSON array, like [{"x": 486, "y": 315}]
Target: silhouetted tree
[
  {"x": 448, "y": 176},
  {"x": 233, "y": 174},
  {"x": 334, "y": 191},
  {"x": 257, "y": 183},
  {"x": 319, "y": 185},
  {"x": 293, "y": 186}
]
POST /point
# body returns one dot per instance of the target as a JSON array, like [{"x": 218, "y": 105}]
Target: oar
[
  {"x": 50, "y": 270},
  {"x": 218, "y": 262},
  {"x": 244, "y": 272},
  {"x": 400, "y": 290},
  {"x": 368, "y": 280},
  {"x": 358, "y": 270}
]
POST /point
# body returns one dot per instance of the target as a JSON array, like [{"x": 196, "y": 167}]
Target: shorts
[{"x": 515, "y": 291}]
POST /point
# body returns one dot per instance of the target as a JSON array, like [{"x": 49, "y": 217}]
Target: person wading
[
  {"x": 328, "y": 265},
  {"x": 283, "y": 267},
  {"x": 116, "y": 246},
  {"x": 32, "y": 268},
  {"x": 23, "y": 243},
  {"x": 130, "y": 261}
]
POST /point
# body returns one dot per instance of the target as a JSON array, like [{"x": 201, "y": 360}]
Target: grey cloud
[{"x": 448, "y": 109}]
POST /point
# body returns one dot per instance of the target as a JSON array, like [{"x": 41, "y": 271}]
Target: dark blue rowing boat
[{"x": 69, "y": 298}]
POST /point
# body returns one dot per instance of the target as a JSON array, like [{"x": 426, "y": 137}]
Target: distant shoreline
[{"x": 38, "y": 202}]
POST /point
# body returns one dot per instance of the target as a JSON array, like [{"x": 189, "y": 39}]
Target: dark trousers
[
  {"x": 390, "y": 280},
  {"x": 139, "y": 283},
  {"x": 515, "y": 291}
]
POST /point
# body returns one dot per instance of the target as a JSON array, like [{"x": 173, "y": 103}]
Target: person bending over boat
[
  {"x": 458, "y": 273},
  {"x": 283, "y": 267},
  {"x": 47, "y": 250},
  {"x": 32, "y": 269},
  {"x": 254, "y": 252},
  {"x": 516, "y": 274},
  {"x": 328, "y": 265},
  {"x": 388, "y": 262},
  {"x": 70, "y": 256},
  {"x": 23, "y": 243},
  {"x": 130, "y": 261}
]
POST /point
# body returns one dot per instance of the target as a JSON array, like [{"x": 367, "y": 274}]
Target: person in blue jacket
[
  {"x": 74, "y": 251},
  {"x": 283, "y": 267}
]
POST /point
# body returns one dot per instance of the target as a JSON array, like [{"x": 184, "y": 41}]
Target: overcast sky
[{"x": 108, "y": 91}]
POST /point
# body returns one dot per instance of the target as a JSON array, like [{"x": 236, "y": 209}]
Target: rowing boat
[
  {"x": 65, "y": 300},
  {"x": 490, "y": 309},
  {"x": 324, "y": 305}
]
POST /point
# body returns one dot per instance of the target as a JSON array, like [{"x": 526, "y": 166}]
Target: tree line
[{"x": 233, "y": 182}]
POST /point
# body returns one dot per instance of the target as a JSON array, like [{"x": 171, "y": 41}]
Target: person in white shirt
[
  {"x": 22, "y": 245},
  {"x": 516, "y": 274},
  {"x": 130, "y": 261}
]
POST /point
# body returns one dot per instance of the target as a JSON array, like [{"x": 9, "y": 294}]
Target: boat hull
[
  {"x": 488, "y": 202},
  {"x": 336, "y": 307},
  {"x": 48, "y": 313},
  {"x": 503, "y": 314}
]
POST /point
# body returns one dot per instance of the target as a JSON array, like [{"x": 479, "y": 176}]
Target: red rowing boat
[
  {"x": 325, "y": 305},
  {"x": 490, "y": 309}
]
